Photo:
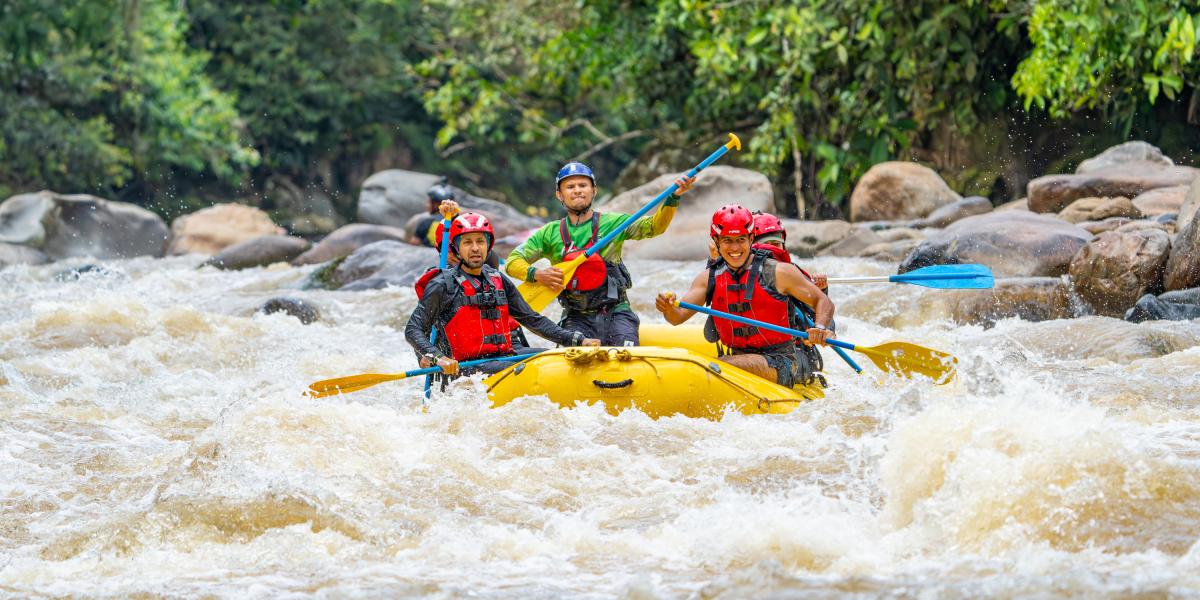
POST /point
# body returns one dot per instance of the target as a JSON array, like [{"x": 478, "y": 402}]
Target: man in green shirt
[{"x": 593, "y": 299}]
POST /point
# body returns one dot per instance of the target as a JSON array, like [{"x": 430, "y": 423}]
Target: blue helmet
[{"x": 571, "y": 169}]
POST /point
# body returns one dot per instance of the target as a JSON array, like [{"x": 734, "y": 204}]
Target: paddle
[
  {"x": 539, "y": 296},
  {"x": 353, "y": 383},
  {"x": 973, "y": 277},
  {"x": 443, "y": 260},
  {"x": 842, "y": 353},
  {"x": 896, "y": 357}
]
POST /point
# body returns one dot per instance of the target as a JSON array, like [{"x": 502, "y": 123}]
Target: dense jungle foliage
[{"x": 175, "y": 105}]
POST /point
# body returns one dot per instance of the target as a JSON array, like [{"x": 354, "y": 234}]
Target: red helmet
[
  {"x": 471, "y": 223},
  {"x": 732, "y": 219},
  {"x": 767, "y": 223}
]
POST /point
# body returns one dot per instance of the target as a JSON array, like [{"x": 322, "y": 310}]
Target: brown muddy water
[{"x": 154, "y": 441}]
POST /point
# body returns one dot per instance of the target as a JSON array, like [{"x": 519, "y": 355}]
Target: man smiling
[
  {"x": 750, "y": 283},
  {"x": 593, "y": 299}
]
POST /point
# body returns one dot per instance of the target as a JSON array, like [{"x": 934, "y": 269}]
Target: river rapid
[{"x": 154, "y": 440}]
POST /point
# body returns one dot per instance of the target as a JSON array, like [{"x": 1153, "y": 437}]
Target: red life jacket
[
  {"x": 777, "y": 253},
  {"x": 745, "y": 294},
  {"x": 480, "y": 324},
  {"x": 592, "y": 273}
]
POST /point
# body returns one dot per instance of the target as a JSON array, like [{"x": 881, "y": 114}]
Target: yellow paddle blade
[
  {"x": 906, "y": 359},
  {"x": 539, "y": 296},
  {"x": 353, "y": 383}
]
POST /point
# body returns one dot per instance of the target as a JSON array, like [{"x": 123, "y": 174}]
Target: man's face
[
  {"x": 775, "y": 243},
  {"x": 472, "y": 247},
  {"x": 576, "y": 192},
  {"x": 735, "y": 249}
]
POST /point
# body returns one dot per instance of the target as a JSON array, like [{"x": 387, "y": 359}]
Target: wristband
[
  {"x": 671, "y": 200},
  {"x": 529, "y": 274}
]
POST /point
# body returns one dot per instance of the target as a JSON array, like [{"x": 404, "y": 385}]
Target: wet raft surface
[{"x": 154, "y": 440}]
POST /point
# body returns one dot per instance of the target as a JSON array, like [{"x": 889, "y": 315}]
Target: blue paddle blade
[{"x": 949, "y": 277}]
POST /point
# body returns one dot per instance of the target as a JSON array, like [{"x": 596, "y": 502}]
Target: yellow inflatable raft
[{"x": 655, "y": 380}]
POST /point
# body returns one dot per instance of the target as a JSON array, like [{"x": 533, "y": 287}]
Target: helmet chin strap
[{"x": 576, "y": 213}]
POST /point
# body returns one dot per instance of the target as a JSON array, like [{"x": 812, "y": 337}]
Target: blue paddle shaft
[
  {"x": 606, "y": 240},
  {"x": 725, "y": 315},
  {"x": 470, "y": 363},
  {"x": 842, "y": 353},
  {"x": 443, "y": 260}
]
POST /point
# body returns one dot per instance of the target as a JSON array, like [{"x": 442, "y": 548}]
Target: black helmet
[{"x": 441, "y": 191}]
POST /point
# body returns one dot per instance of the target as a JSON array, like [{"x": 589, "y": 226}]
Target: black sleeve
[
  {"x": 520, "y": 310},
  {"x": 423, "y": 318}
]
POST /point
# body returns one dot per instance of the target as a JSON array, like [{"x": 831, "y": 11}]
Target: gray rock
[
  {"x": 1117, "y": 267},
  {"x": 66, "y": 225},
  {"x": 1183, "y": 306},
  {"x": 1013, "y": 243},
  {"x": 687, "y": 237},
  {"x": 853, "y": 244},
  {"x": 17, "y": 254},
  {"x": 306, "y": 312},
  {"x": 895, "y": 190},
  {"x": 1021, "y": 204},
  {"x": 967, "y": 207},
  {"x": 890, "y": 251},
  {"x": 393, "y": 196},
  {"x": 259, "y": 252},
  {"x": 346, "y": 240},
  {"x": 1122, "y": 154},
  {"x": 806, "y": 238},
  {"x": 382, "y": 264}
]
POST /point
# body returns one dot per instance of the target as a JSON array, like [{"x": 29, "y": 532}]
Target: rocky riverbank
[{"x": 1116, "y": 238}]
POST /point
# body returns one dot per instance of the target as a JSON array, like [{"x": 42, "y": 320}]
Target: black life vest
[{"x": 476, "y": 323}]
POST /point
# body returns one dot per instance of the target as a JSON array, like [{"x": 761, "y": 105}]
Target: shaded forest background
[{"x": 175, "y": 104}]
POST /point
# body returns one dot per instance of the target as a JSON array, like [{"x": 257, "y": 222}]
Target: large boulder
[
  {"x": 1161, "y": 201},
  {"x": 878, "y": 242},
  {"x": 1191, "y": 205},
  {"x": 16, "y": 254},
  {"x": 806, "y": 238},
  {"x": 345, "y": 240},
  {"x": 956, "y": 211},
  {"x": 1126, "y": 170},
  {"x": 893, "y": 191},
  {"x": 1098, "y": 209},
  {"x": 1028, "y": 298},
  {"x": 1182, "y": 305},
  {"x": 306, "y": 312},
  {"x": 1013, "y": 243},
  {"x": 210, "y": 230},
  {"x": 1117, "y": 267},
  {"x": 1183, "y": 266},
  {"x": 687, "y": 238},
  {"x": 383, "y": 264},
  {"x": 65, "y": 225},
  {"x": 259, "y": 252},
  {"x": 1109, "y": 224},
  {"x": 393, "y": 196}
]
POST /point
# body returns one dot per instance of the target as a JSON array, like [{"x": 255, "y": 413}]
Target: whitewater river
[{"x": 154, "y": 441}]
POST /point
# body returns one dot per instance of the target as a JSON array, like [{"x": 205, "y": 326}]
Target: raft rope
[{"x": 584, "y": 356}]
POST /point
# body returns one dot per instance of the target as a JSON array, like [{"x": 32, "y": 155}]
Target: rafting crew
[
  {"x": 594, "y": 299},
  {"x": 753, "y": 283},
  {"x": 475, "y": 308},
  {"x": 427, "y": 227}
]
